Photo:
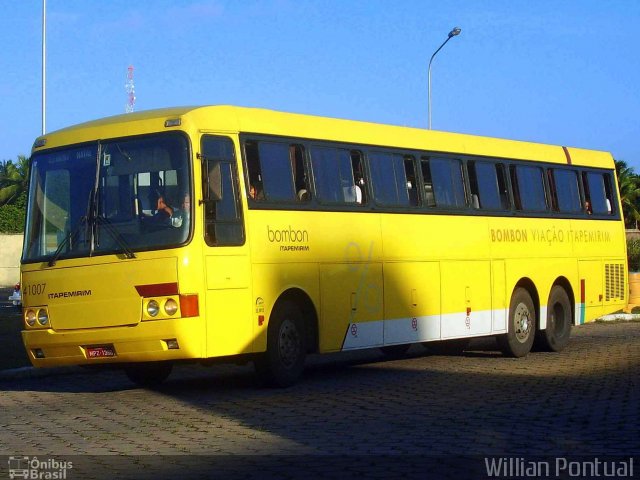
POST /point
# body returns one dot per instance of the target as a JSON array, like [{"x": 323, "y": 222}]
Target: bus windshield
[{"x": 109, "y": 197}]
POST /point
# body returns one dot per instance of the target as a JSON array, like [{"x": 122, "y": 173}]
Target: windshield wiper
[
  {"x": 70, "y": 236},
  {"x": 115, "y": 234}
]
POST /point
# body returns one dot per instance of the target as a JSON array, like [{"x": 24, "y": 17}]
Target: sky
[{"x": 564, "y": 72}]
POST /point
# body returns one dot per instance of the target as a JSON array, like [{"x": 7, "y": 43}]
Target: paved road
[{"x": 350, "y": 414}]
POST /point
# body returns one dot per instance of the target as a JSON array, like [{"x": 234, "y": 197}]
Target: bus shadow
[
  {"x": 378, "y": 406},
  {"x": 218, "y": 377}
]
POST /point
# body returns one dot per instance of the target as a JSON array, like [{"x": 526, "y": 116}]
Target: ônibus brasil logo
[{"x": 34, "y": 468}]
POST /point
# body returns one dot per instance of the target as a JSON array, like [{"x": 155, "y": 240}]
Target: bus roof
[{"x": 233, "y": 119}]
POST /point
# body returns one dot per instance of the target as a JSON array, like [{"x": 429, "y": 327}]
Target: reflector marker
[
  {"x": 157, "y": 289},
  {"x": 189, "y": 305},
  {"x": 583, "y": 301}
]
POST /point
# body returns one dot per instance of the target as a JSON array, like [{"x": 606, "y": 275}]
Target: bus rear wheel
[
  {"x": 555, "y": 337},
  {"x": 521, "y": 329},
  {"x": 283, "y": 362},
  {"x": 148, "y": 374}
]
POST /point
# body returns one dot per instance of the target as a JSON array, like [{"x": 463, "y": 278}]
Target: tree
[
  {"x": 629, "y": 185},
  {"x": 14, "y": 178}
]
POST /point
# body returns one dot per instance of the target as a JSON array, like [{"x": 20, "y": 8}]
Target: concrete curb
[{"x": 618, "y": 317}]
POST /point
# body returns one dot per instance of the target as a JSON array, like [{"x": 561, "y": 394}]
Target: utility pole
[
  {"x": 44, "y": 64},
  {"x": 131, "y": 91}
]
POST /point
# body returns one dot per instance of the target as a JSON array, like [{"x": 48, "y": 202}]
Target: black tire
[
  {"x": 447, "y": 347},
  {"x": 555, "y": 337},
  {"x": 521, "y": 327},
  {"x": 148, "y": 374},
  {"x": 395, "y": 351},
  {"x": 283, "y": 362}
]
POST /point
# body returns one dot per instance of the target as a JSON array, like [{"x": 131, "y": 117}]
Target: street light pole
[
  {"x": 44, "y": 63},
  {"x": 456, "y": 31}
]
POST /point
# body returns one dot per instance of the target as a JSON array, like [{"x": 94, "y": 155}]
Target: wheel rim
[
  {"x": 522, "y": 323},
  {"x": 289, "y": 343}
]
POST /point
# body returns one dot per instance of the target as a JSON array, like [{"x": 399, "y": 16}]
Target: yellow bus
[{"x": 243, "y": 234}]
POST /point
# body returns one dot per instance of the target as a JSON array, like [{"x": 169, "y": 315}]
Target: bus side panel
[
  {"x": 411, "y": 302},
  {"x": 466, "y": 298},
  {"x": 228, "y": 314},
  {"x": 499, "y": 299},
  {"x": 590, "y": 297},
  {"x": 229, "y": 328},
  {"x": 351, "y": 306}
]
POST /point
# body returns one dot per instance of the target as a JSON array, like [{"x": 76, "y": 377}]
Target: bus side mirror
[{"x": 215, "y": 182}]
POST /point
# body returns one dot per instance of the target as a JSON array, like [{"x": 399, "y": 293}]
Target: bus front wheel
[
  {"x": 555, "y": 337},
  {"x": 521, "y": 329},
  {"x": 148, "y": 374},
  {"x": 283, "y": 362}
]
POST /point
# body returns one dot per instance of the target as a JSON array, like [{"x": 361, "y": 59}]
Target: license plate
[{"x": 101, "y": 351}]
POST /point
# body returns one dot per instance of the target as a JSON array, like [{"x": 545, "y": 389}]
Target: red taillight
[{"x": 189, "y": 305}]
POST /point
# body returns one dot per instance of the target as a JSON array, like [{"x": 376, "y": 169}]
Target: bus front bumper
[{"x": 171, "y": 339}]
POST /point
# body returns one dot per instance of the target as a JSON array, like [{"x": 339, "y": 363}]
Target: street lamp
[
  {"x": 455, "y": 32},
  {"x": 44, "y": 64}
]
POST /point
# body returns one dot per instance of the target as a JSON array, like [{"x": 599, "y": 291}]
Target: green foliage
[
  {"x": 14, "y": 179},
  {"x": 629, "y": 185},
  {"x": 633, "y": 254},
  {"x": 12, "y": 215}
]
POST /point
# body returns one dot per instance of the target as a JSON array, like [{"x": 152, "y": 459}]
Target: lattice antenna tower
[{"x": 131, "y": 91}]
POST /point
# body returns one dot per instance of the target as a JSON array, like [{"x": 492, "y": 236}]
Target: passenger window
[
  {"x": 565, "y": 192},
  {"x": 223, "y": 216},
  {"x": 444, "y": 184},
  {"x": 389, "y": 179},
  {"x": 599, "y": 198},
  {"x": 528, "y": 188},
  {"x": 276, "y": 172},
  {"x": 412, "y": 182},
  {"x": 488, "y": 186},
  {"x": 357, "y": 165},
  {"x": 428, "y": 195},
  {"x": 338, "y": 175},
  {"x": 503, "y": 186}
]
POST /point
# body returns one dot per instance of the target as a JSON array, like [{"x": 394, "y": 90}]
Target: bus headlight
[
  {"x": 30, "y": 317},
  {"x": 171, "y": 306},
  {"x": 153, "y": 308},
  {"x": 43, "y": 317}
]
